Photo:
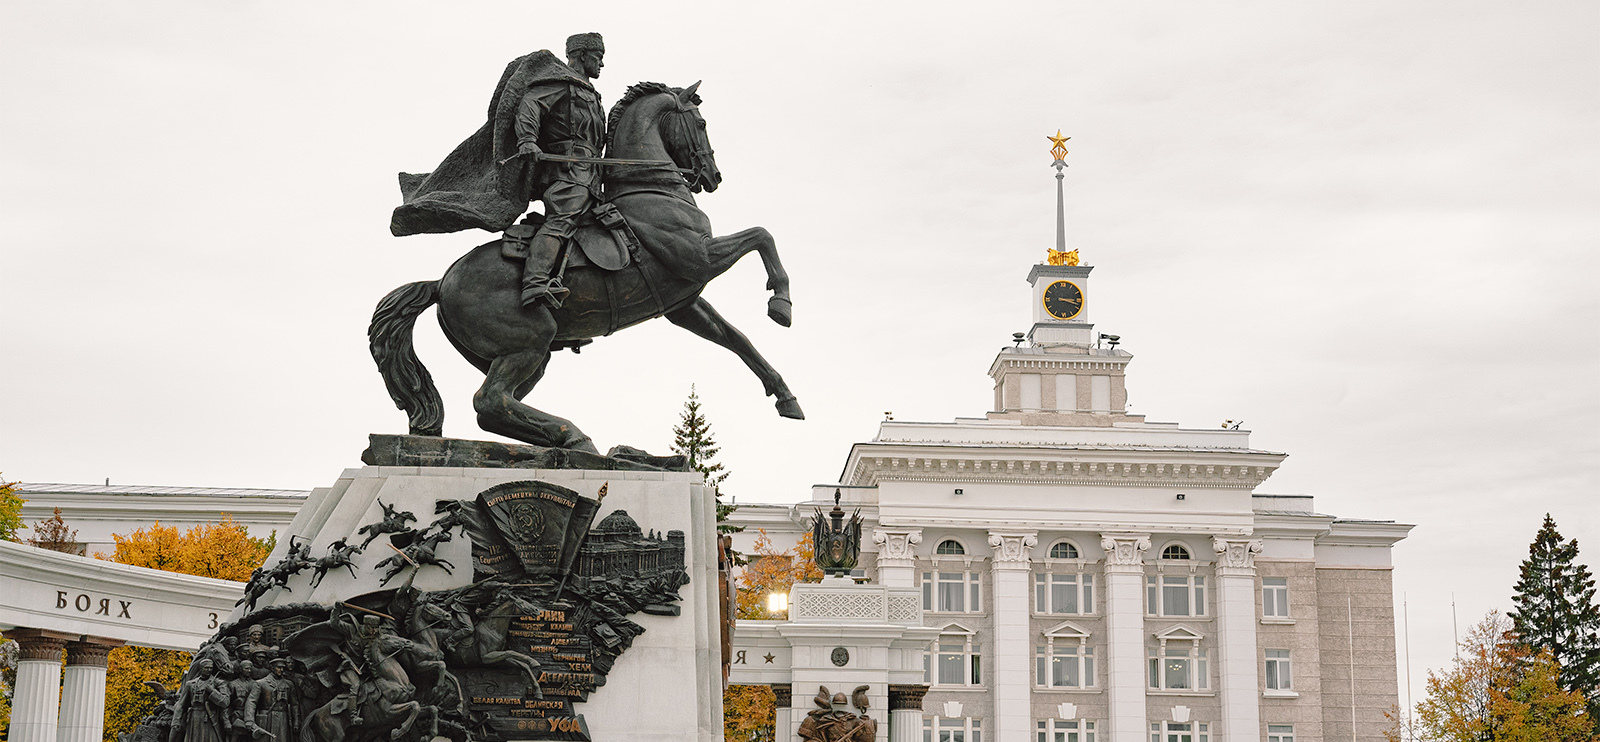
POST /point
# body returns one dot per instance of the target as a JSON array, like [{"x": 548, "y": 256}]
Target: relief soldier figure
[
  {"x": 276, "y": 705},
  {"x": 243, "y": 693},
  {"x": 202, "y": 709},
  {"x": 832, "y": 721}
]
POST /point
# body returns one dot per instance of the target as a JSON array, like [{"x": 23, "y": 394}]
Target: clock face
[{"x": 1063, "y": 299}]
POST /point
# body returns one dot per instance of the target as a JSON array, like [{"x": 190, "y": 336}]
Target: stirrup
[{"x": 552, "y": 292}]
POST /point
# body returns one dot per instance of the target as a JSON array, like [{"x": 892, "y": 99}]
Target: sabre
[{"x": 662, "y": 164}]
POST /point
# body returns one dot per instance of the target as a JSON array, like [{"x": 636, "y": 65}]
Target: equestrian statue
[{"x": 619, "y": 241}]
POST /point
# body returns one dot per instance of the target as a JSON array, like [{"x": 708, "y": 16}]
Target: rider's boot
[{"x": 537, "y": 283}]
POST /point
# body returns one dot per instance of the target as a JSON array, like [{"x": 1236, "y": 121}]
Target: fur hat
[{"x": 582, "y": 42}]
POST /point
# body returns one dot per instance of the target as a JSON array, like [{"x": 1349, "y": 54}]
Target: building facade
[{"x": 1097, "y": 577}]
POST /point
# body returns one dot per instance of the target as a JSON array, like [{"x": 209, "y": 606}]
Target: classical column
[
  {"x": 1125, "y": 660},
  {"x": 83, "y": 690},
  {"x": 905, "y": 712},
  {"x": 37, "y": 698},
  {"x": 1013, "y": 653},
  {"x": 897, "y": 565},
  {"x": 1236, "y": 637},
  {"x": 783, "y": 715}
]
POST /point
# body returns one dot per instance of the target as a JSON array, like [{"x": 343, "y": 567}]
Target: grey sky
[{"x": 1368, "y": 230}]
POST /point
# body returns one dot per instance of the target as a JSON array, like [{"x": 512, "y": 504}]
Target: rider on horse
[{"x": 541, "y": 107}]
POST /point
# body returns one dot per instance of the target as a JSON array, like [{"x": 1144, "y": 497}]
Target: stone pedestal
[
  {"x": 36, "y": 700},
  {"x": 667, "y": 687},
  {"x": 1125, "y": 660},
  {"x": 83, "y": 691}
]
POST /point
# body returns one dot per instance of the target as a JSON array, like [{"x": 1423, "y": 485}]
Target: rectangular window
[
  {"x": 1280, "y": 733},
  {"x": 1171, "y": 731},
  {"x": 952, "y": 730},
  {"x": 1275, "y": 597},
  {"x": 1178, "y": 665},
  {"x": 953, "y": 660},
  {"x": 1166, "y": 595},
  {"x": 1072, "y": 594},
  {"x": 1065, "y": 730},
  {"x": 1063, "y": 663},
  {"x": 952, "y": 592},
  {"x": 1278, "y": 674}
]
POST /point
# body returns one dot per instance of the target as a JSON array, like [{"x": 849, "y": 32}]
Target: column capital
[
  {"x": 906, "y": 697},
  {"x": 1236, "y": 556},
  {"x": 40, "y": 644},
  {"x": 782, "y": 695},
  {"x": 1125, "y": 551},
  {"x": 91, "y": 651},
  {"x": 1011, "y": 548},
  {"x": 895, "y": 545}
]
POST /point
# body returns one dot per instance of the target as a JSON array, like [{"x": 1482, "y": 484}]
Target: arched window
[
  {"x": 1063, "y": 550},
  {"x": 1175, "y": 552},
  {"x": 952, "y": 546}
]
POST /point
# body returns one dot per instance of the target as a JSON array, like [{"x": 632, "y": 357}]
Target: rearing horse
[{"x": 482, "y": 315}]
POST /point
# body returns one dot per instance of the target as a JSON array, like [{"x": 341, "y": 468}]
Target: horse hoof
[
  {"x": 582, "y": 443},
  {"x": 781, "y": 310},
  {"x": 790, "y": 408}
]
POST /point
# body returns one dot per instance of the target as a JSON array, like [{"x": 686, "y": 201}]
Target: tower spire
[{"x": 1058, "y": 150}]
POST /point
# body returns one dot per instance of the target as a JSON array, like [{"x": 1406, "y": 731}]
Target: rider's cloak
[{"x": 470, "y": 189}]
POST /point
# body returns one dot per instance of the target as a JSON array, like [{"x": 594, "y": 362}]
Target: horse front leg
[
  {"x": 700, "y": 319},
  {"x": 724, "y": 251}
]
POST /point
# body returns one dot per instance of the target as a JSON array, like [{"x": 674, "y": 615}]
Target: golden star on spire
[{"x": 1058, "y": 145}]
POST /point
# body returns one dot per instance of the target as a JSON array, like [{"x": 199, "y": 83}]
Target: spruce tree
[
  {"x": 1554, "y": 609},
  {"x": 692, "y": 438}
]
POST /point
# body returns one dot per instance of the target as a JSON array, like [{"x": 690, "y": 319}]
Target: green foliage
[
  {"x": 1554, "y": 609},
  {"x": 10, "y": 511},
  {"x": 692, "y": 437}
]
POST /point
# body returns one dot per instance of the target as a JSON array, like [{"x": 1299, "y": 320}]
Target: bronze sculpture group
[{"x": 620, "y": 241}]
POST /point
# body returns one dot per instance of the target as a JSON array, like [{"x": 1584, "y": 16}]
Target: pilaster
[
  {"x": 1236, "y": 636},
  {"x": 1125, "y": 657},
  {"x": 1008, "y": 609},
  {"x": 83, "y": 691},
  {"x": 783, "y": 726},
  {"x": 897, "y": 565},
  {"x": 905, "y": 712},
  {"x": 36, "y": 700}
]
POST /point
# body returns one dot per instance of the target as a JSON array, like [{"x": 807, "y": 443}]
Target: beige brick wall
[{"x": 1368, "y": 619}]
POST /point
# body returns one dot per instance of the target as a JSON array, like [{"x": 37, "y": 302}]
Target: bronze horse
[{"x": 481, "y": 313}]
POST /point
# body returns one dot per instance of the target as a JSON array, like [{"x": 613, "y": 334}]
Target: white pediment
[
  {"x": 1066, "y": 629},
  {"x": 1181, "y": 633}
]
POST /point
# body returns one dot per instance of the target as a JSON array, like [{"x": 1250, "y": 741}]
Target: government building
[{"x": 1098, "y": 577}]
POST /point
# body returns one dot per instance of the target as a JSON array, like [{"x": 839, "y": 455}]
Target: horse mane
[{"x": 633, "y": 94}]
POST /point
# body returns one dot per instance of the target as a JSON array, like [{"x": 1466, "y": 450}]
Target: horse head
[{"x": 653, "y": 120}]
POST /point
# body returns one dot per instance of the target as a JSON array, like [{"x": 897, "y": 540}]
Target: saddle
[{"x": 604, "y": 240}]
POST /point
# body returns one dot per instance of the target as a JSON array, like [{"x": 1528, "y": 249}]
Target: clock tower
[{"x": 1061, "y": 372}]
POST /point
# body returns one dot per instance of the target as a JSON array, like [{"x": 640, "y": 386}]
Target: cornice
[{"x": 1102, "y": 468}]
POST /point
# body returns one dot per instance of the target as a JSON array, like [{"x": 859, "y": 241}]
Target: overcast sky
[{"x": 1367, "y": 229}]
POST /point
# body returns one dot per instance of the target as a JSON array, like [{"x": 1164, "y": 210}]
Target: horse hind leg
[
  {"x": 701, "y": 319},
  {"x": 500, "y": 409}
]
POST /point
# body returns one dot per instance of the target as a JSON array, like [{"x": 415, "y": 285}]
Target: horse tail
[{"x": 389, "y": 337}]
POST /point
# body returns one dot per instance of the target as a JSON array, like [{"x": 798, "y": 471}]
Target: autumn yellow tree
[
  {"x": 1498, "y": 691},
  {"x": 748, "y": 710},
  {"x": 10, "y": 511},
  {"x": 224, "y": 551}
]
